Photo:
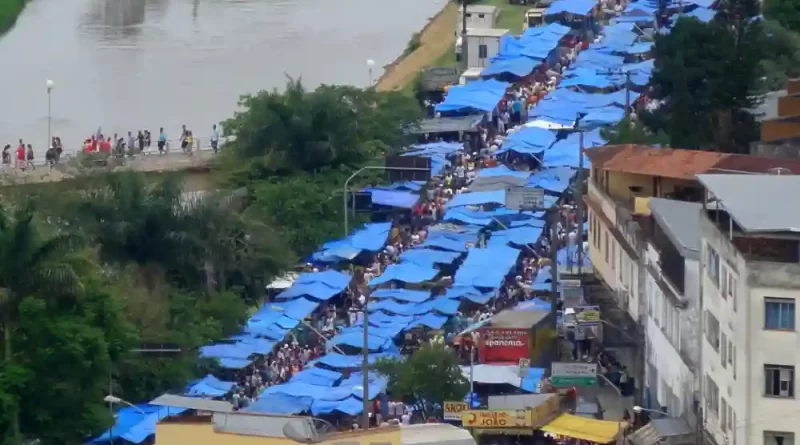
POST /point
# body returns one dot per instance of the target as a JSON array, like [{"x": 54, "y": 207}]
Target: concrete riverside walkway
[{"x": 71, "y": 167}]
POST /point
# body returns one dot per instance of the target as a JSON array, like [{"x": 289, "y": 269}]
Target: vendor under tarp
[{"x": 597, "y": 431}]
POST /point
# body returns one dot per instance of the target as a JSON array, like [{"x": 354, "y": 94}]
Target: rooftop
[
  {"x": 679, "y": 221},
  {"x": 486, "y": 32},
  {"x": 754, "y": 201},
  {"x": 679, "y": 163},
  {"x": 481, "y": 9}
]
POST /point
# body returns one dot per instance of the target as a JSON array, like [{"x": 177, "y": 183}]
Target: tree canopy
[{"x": 431, "y": 374}]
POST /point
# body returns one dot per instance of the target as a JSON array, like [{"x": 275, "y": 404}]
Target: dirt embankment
[{"x": 435, "y": 38}]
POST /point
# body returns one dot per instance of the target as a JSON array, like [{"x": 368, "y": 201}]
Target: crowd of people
[{"x": 141, "y": 142}]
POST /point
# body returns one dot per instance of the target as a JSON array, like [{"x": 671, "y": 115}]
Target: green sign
[{"x": 561, "y": 381}]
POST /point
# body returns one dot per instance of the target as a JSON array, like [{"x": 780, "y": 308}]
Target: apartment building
[
  {"x": 672, "y": 270},
  {"x": 750, "y": 283}
]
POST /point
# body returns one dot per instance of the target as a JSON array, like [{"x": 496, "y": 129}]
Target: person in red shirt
[
  {"x": 21, "y": 155},
  {"x": 105, "y": 146}
]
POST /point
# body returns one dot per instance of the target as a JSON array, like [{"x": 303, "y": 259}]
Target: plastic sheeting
[
  {"x": 407, "y": 295},
  {"x": 428, "y": 257},
  {"x": 432, "y": 321},
  {"x": 481, "y": 95},
  {"x": 410, "y": 186},
  {"x": 482, "y": 218},
  {"x": 566, "y": 153},
  {"x": 318, "y": 285},
  {"x": 280, "y": 404},
  {"x": 518, "y": 235},
  {"x": 435, "y": 148},
  {"x": 405, "y": 272},
  {"x": 371, "y": 238},
  {"x": 393, "y": 198},
  {"x": 340, "y": 361},
  {"x": 136, "y": 424},
  {"x": 610, "y": 115},
  {"x": 505, "y": 374},
  {"x": 529, "y": 140},
  {"x": 486, "y": 267},
  {"x": 478, "y": 198},
  {"x": 519, "y": 66},
  {"x": 576, "y": 7},
  {"x": 356, "y": 340},
  {"x": 554, "y": 180},
  {"x": 209, "y": 386},
  {"x": 456, "y": 242}
]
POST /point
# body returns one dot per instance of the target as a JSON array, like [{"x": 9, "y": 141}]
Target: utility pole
[
  {"x": 627, "y": 75},
  {"x": 464, "y": 61}
]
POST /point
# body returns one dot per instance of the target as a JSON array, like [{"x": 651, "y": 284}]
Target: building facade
[{"x": 750, "y": 282}]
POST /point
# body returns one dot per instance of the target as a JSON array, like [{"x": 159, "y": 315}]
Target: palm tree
[{"x": 31, "y": 265}]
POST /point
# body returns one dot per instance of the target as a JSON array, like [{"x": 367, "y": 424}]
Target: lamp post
[
  {"x": 114, "y": 400},
  {"x": 638, "y": 410},
  {"x": 370, "y": 65},
  {"x": 49, "y": 84}
]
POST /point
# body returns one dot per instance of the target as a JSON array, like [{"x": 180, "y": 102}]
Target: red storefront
[{"x": 503, "y": 345}]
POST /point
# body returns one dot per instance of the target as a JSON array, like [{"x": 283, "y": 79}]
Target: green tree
[
  {"x": 781, "y": 55},
  {"x": 786, "y": 12},
  {"x": 30, "y": 265},
  {"x": 431, "y": 374},
  {"x": 627, "y": 132}
]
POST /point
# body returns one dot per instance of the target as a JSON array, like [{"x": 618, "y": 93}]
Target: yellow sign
[
  {"x": 497, "y": 419},
  {"x": 544, "y": 411},
  {"x": 453, "y": 410}
]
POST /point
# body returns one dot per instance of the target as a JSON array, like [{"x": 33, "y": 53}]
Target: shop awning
[{"x": 598, "y": 431}]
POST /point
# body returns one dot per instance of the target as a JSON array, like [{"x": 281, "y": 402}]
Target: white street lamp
[
  {"x": 370, "y": 65},
  {"x": 49, "y": 84},
  {"x": 114, "y": 400},
  {"x": 638, "y": 409}
]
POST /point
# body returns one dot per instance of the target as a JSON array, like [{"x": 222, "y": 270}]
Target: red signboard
[{"x": 503, "y": 345}]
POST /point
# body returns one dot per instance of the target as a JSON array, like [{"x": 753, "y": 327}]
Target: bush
[{"x": 414, "y": 43}]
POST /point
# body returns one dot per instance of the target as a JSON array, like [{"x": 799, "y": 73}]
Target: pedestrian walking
[{"x": 214, "y": 138}]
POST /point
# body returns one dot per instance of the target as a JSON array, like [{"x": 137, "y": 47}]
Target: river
[{"x": 142, "y": 64}]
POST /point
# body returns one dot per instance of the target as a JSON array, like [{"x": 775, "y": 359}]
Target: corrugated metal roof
[
  {"x": 753, "y": 201},
  {"x": 680, "y": 222},
  {"x": 217, "y": 406},
  {"x": 435, "y": 434}
]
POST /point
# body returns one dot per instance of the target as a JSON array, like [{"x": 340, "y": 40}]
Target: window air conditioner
[{"x": 785, "y": 382}]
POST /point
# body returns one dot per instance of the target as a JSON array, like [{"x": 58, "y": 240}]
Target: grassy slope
[{"x": 9, "y": 11}]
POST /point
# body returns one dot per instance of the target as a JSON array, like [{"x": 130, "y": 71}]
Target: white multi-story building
[
  {"x": 750, "y": 283},
  {"x": 671, "y": 297}
]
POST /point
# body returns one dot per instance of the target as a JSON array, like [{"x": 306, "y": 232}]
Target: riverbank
[
  {"x": 436, "y": 38},
  {"x": 9, "y": 11}
]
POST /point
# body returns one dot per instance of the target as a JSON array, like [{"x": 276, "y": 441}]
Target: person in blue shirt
[{"x": 162, "y": 140}]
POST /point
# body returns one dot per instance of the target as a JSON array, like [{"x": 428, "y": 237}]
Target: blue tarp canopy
[
  {"x": 528, "y": 140},
  {"x": 501, "y": 170},
  {"x": 135, "y": 424},
  {"x": 588, "y": 100},
  {"x": 435, "y": 148},
  {"x": 518, "y": 235},
  {"x": 393, "y": 198},
  {"x": 519, "y": 66},
  {"x": 317, "y": 376},
  {"x": 478, "y": 198},
  {"x": 280, "y": 404},
  {"x": 554, "y": 180},
  {"x": 371, "y": 238},
  {"x": 486, "y": 267},
  {"x": 405, "y": 272},
  {"x": 406, "y": 295},
  {"x": 431, "y": 320},
  {"x": 705, "y": 15},
  {"x": 456, "y": 242},
  {"x": 576, "y": 7},
  {"x": 410, "y": 186},
  {"x": 340, "y": 361},
  {"x": 569, "y": 255},
  {"x": 318, "y": 285},
  {"x": 537, "y": 304},
  {"x": 356, "y": 340},
  {"x": 566, "y": 153},
  {"x": 564, "y": 113},
  {"x": 481, "y": 95},
  {"x": 428, "y": 257},
  {"x": 605, "y": 116},
  {"x": 484, "y": 218},
  {"x": 209, "y": 386}
]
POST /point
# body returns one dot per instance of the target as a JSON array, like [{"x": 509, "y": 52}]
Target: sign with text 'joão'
[
  {"x": 503, "y": 345},
  {"x": 453, "y": 410},
  {"x": 497, "y": 419}
]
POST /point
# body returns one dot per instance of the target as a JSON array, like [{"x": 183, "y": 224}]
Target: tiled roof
[{"x": 681, "y": 164}]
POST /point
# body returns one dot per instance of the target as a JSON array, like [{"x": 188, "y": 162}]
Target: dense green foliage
[
  {"x": 9, "y": 11},
  {"x": 785, "y": 12},
  {"x": 710, "y": 76},
  {"x": 113, "y": 262},
  {"x": 432, "y": 374}
]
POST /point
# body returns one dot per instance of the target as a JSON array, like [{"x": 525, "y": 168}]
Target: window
[
  {"x": 480, "y": 16},
  {"x": 712, "y": 395},
  {"x": 723, "y": 355},
  {"x": 723, "y": 292},
  {"x": 730, "y": 420},
  {"x": 778, "y": 438},
  {"x": 613, "y": 256},
  {"x": 712, "y": 264},
  {"x": 778, "y": 381},
  {"x": 732, "y": 283},
  {"x": 712, "y": 330},
  {"x": 779, "y": 314},
  {"x": 483, "y": 51},
  {"x": 608, "y": 251},
  {"x": 732, "y": 359}
]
